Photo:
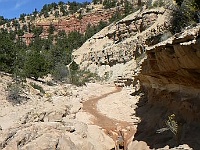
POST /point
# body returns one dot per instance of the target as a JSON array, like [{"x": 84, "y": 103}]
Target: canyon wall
[
  {"x": 116, "y": 49},
  {"x": 171, "y": 74},
  {"x": 170, "y": 86},
  {"x": 78, "y": 22}
]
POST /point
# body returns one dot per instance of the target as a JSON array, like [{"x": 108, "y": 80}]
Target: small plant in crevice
[
  {"x": 172, "y": 124},
  {"x": 175, "y": 126},
  {"x": 48, "y": 97}
]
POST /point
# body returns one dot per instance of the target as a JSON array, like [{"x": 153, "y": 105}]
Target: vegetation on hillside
[
  {"x": 3, "y": 20},
  {"x": 186, "y": 13},
  {"x": 51, "y": 55},
  {"x": 25, "y": 24},
  {"x": 44, "y": 56}
]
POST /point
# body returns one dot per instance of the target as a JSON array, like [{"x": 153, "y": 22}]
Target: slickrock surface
[{"x": 58, "y": 120}]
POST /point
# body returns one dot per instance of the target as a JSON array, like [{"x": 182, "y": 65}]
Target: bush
[
  {"x": 184, "y": 15},
  {"x": 60, "y": 72},
  {"x": 50, "y": 83},
  {"x": 116, "y": 17},
  {"x": 80, "y": 77},
  {"x": 14, "y": 93},
  {"x": 35, "y": 86},
  {"x": 178, "y": 21},
  {"x": 35, "y": 64},
  {"x": 158, "y": 3},
  {"x": 109, "y": 3},
  {"x": 149, "y": 4}
]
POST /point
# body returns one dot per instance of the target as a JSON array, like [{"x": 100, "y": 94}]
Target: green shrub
[
  {"x": 178, "y": 21},
  {"x": 60, "y": 72},
  {"x": 35, "y": 86},
  {"x": 116, "y": 17},
  {"x": 184, "y": 15},
  {"x": 159, "y": 3},
  {"x": 50, "y": 83},
  {"x": 14, "y": 93},
  {"x": 80, "y": 77},
  {"x": 149, "y": 4}
]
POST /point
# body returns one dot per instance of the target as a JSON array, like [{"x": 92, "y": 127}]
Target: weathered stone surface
[
  {"x": 173, "y": 66},
  {"x": 53, "y": 114},
  {"x": 116, "y": 47},
  {"x": 138, "y": 145},
  {"x": 171, "y": 85},
  {"x": 41, "y": 123},
  {"x": 74, "y": 23},
  {"x": 36, "y": 136}
]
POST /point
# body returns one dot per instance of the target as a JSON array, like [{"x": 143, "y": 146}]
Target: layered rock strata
[
  {"x": 172, "y": 71},
  {"x": 78, "y": 22},
  {"x": 170, "y": 79},
  {"x": 115, "y": 48}
]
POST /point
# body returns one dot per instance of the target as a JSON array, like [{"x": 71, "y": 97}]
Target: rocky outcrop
[
  {"x": 78, "y": 22},
  {"x": 36, "y": 136},
  {"x": 53, "y": 120},
  {"x": 171, "y": 87},
  {"x": 115, "y": 48},
  {"x": 172, "y": 71}
]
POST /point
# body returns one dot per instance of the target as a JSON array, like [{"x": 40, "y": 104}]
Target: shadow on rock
[{"x": 153, "y": 129}]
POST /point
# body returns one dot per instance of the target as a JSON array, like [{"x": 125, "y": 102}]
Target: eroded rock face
[
  {"x": 171, "y": 72},
  {"x": 171, "y": 86},
  {"x": 36, "y": 136},
  {"x": 119, "y": 44},
  {"x": 75, "y": 23}
]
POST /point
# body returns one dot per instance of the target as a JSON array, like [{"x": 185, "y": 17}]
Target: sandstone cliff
[
  {"x": 115, "y": 48},
  {"x": 169, "y": 75},
  {"x": 77, "y": 22},
  {"x": 171, "y": 85},
  {"x": 172, "y": 67}
]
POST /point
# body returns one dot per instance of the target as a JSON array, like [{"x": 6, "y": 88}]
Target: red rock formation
[
  {"x": 73, "y": 23},
  {"x": 27, "y": 38}
]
